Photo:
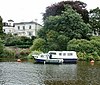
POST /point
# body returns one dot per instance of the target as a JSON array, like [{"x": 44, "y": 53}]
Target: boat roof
[{"x": 62, "y": 51}]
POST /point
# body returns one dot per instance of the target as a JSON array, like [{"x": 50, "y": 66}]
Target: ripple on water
[
  {"x": 14, "y": 73},
  {"x": 17, "y": 73}
]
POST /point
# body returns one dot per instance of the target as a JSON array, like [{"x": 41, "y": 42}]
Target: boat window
[
  {"x": 69, "y": 54},
  {"x": 42, "y": 56},
  {"x": 47, "y": 55},
  {"x": 64, "y": 54},
  {"x": 60, "y": 53},
  {"x": 52, "y": 53}
]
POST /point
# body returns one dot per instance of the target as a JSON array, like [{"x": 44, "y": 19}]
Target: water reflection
[
  {"x": 16, "y": 73},
  {"x": 61, "y": 72},
  {"x": 89, "y": 74},
  {"x": 58, "y": 75}
]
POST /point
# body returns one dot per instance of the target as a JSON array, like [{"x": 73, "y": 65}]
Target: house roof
[
  {"x": 10, "y": 20},
  {"x": 5, "y": 24},
  {"x": 27, "y": 23}
]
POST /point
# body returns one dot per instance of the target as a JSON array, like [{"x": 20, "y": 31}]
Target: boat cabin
[
  {"x": 63, "y": 54},
  {"x": 56, "y": 57},
  {"x": 67, "y": 56}
]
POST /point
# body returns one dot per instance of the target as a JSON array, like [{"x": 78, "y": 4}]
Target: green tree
[
  {"x": 1, "y": 25},
  {"x": 59, "y": 29},
  {"x": 57, "y": 8},
  {"x": 94, "y": 20},
  {"x": 51, "y": 37},
  {"x": 69, "y": 23},
  {"x": 62, "y": 42},
  {"x": 1, "y": 28},
  {"x": 1, "y": 46}
]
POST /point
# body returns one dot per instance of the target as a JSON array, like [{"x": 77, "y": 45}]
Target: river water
[{"x": 26, "y": 73}]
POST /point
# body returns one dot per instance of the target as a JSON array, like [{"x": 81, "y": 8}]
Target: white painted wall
[
  {"x": 27, "y": 31},
  {"x": 8, "y": 30}
]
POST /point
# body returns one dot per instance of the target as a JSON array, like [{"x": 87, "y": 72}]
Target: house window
[
  {"x": 18, "y": 27},
  {"x": 9, "y": 24},
  {"x": 30, "y": 27},
  {"x": 9, "y": 30},
  {"x": 23, "y": 27},
  {"x": 30, "y": 34}
]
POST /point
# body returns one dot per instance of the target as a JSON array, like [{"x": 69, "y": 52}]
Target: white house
[
  {"x": 27, "y": 29},
  {"x": 8, "y": 27}
]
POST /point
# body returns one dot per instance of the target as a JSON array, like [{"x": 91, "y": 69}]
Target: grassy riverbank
[{"x": 13, "y": 53}]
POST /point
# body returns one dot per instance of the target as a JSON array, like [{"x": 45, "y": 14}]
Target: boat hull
[
  {"x": 39, "y": 60},
  {"x": 72, "y": 61},
  {"x": 54, "y": 61},
  {"x": 49, "y": 61}
]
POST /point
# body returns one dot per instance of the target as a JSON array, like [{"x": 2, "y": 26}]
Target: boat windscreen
[{"x": 52, "y": 53}]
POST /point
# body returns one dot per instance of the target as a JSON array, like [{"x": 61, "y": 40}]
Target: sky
[{"x": 30, "y": 10}]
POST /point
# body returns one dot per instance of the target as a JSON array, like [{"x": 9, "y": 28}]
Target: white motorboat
[{"x": 56, "y": 57}]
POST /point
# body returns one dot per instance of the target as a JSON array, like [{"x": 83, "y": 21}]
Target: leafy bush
[
  {"x": 96, "y": 38},
  {"x": 88, "y": 56},
  {"x": 24, "y": 52},
  {"x": 38, "y": 44},
  {"x": 81, "y": 56},
  {"x": 8, "y": 53},
  {"x": 95, "y": 41},
  {"x": 33, "y": 52},
  {"x": 87, "y": 50},
  {"x": 23, "y": 46},
  {"x": 22, "y": 42},
  {"x": 80, "y": 45}
]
